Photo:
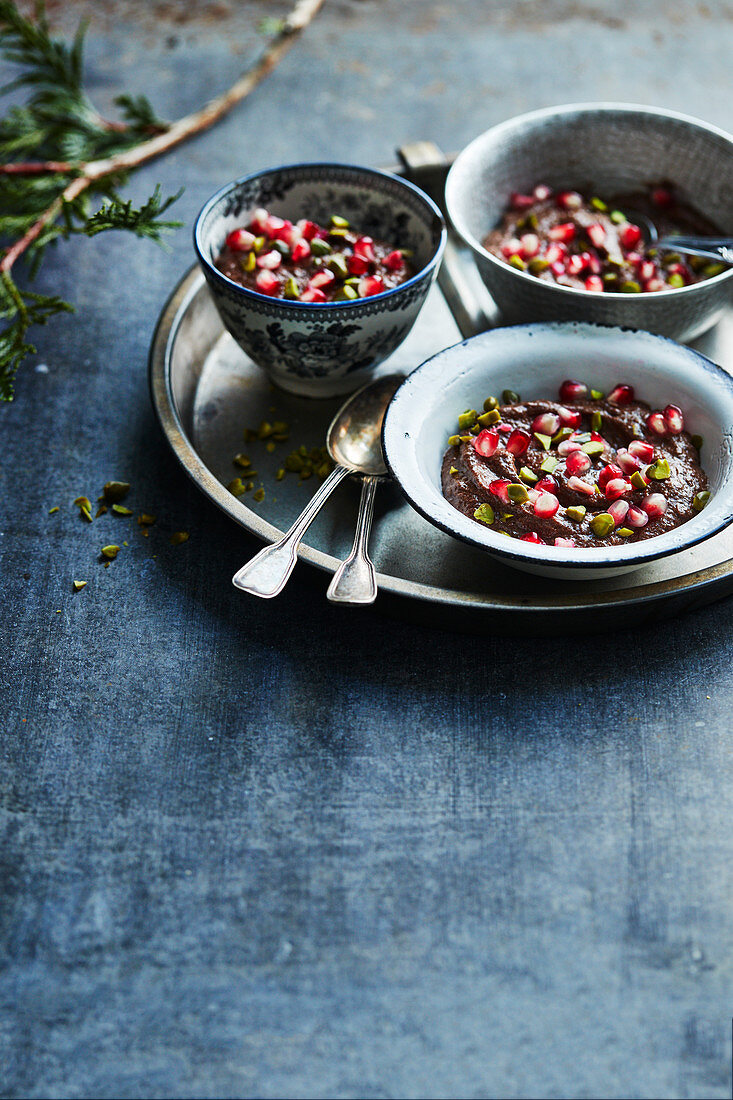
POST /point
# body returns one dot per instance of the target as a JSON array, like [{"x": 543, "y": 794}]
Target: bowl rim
[
  {"x": 317, "y": 308},
  {"x": 582, "y": 559},
  {"x": 569, "y": 109}
]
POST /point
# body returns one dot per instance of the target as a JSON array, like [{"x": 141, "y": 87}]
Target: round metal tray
[{"x": 206, "y": 392}]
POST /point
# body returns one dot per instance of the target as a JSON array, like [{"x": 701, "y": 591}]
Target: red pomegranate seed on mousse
[
  {"x": 564, "y": 232},
  {"x": 312, "y": 294},
  {"x": 674, "y": 419},
  {"x": 532, "y": 536},
  {"x": 655, "y": 505},
  {"x": 636, "y": 517},
  {"x": 499, "y": 488},
  {"x": 300, "y": 250},
  {"x": 621, "y": 395},
  {"x": 546, "y": 423},
  {"x": 617, "y": 487},
  {"x": 656, "y": 423},
  {"x": 573, "y": 391},
  {"x": 618, "y": 511},
  {"x": 546, "y": 505},
  {"x": 267, "y": 283},
  {"x": 240, "y": 240},
  {"x": 486, "y": 442},
  {"x": 577, "y": 463},
  {"x": 518, "y": 442},
  {"x": 546, "y": 484},
  {"x": 641, "y": 450},
  {"x": 594, "y": 283}
]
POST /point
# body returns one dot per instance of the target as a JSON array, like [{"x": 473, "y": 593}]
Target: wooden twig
[{"x": 90, "y": 172}]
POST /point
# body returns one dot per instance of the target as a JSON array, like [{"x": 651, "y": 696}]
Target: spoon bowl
[
  {"x": 354, "y": 436},
  {"x": 713, "y": 248}
]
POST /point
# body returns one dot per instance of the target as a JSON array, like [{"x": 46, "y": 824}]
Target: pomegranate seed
[
  {"x": 530, "y": 244},
  {"x": 647, "y": 270},
  {"x": 518, "y": 442},
  {"x": 679, "y": 269},
  {"x": 558, "y": 268},
  {"x": 573, "y": 391},
  {"x": 563, "y": 232},
  {"x": 596, "y": 235},
  {"x": 520, "y": 202},
  {"x": 240, "y": 240},
  {"x": 321, "y": 279},
  {"x": 608, "y": 473},
  {"x": 577, "y": 463},
  {"x": 259, "y": 220},
  {"x": 593, "y": 263},
  {"x": 629, "y": 235},
  {"x": 280, "y": 229},
  {"x": 532, "y": 536},
  {"x": 555, "y": 252},
  {"x": 272, "y": 226},
  {"x": 269, "y": 260},
  {"x": 655, "y": 505},
  {"x": 621, "y": 395},
  {"x": 546, "y": 423},
  {"x": 499, "y": 488},
  {"x": 300, "y": 250},
  {"x": 594, "y": 283},
  {"x": 266, "y": 282},
  {"x": 308, "y": 230},
  {"x": 312, "y": 294},
  {"x": 546, "y": 505},
  {"x": 661, "y": 197},
  {"x": 634, "y": 258},
  {"x": 371, "y": 284},
  {"x": 569, "y": 418},
  {"x": 542, "y": 192},
  {"x": 364, "y": 247},
  {"x": 643, "y": 451},
  {"x": 512, "y": 247},
  {"x": 534, "y": 495},
  {"x": 654, "y": 285},
  {"x": 595, "y": 437},
  {"x": 503, "y": 427},
  {"x": 357, "y": 265},
  {"x": 565, "y": 542},
  {"x": 546, "y": 484},
  {"x": 617, "y": 487},
  {"x": 656, "y": 423},
  {"x": 485, "y": 443},
  {"x": 395, "y": 261},
  {"x": 580, "y": 486},
  {"x": 570, "y": 200},
  {"x": 636, "y": 517},
  {"x": 568, "y": 447},
  {"x": 618, "y": 511},
  {"x": 627, "y": 462},
  {"x": 674, "y": 419},
  {"x": 575, "y": 264}
]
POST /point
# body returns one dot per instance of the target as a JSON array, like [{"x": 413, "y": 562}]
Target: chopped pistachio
[
  {"x": 78, "y": 585},
  {"x": 507, "y": 516},
  {"x": 85, "y": 514},
  {"x": 242, "y": 460},
  {"x": 576, "y": 512},
  {"x": 101, "y": 511},
  {"x": 592, "y": 449},
  {"x": 467, "y": 418},
  {"x": 582, "y": 437},
  {"x": 269, "y": 447},
  {"x": 110, "y": 552},
  {"x": 617, "y": 217},
  {"x": 83, "y": 502},
  {"x": 543, "y": 440},
  {"x": 602, "y": 525},
  {"x": 509, "y": 397},
  {"x": 337, "y": 232},
  {"x": 713, "y": 269},
  {"x": 280, "y": 474},
  {"x": 630, "y": 287},
  {"x": 637, "y": 480},
  {"x": 597, "y": 395},
  {"x": 517, "y": 493},
  {"x": 697, "y": 442},
  {"x": 625, "y": 532},
  {"x": 236, "y": 487},
  {"x": 490, "y": 403},
  {"x": 178, "y": 537},
  {"x": 484, "y": 513},
  {"x": 493, "y": 416},
  {"x": 291, "y": 290},
  {"x": 120, "y": 510},
  {"x": 599, "y": 204},
  {"x": 324, "y": 470},
  {"x": 115, "y": 491},
  {"x": 596, "y": 421},
  {"x": 54, "y": 509},
  {"x": 675, "y": 280},
  {"x": 475, "y": 429},
  {"x": 346, "y": 294},
  {"x": 561, "y": 436},
  {"x": 265, "y": 429},
  {"x": 453, "y": 440},
  {"x": 249, "y": 262},
  {"x": 671, "y": 258},
  {"x": 538, "y": 265},
  {"x": 319, "y": 247},
  {"x": 259, "y": 494},
  {"x": 700, "y": 500},
  {"x": 146, "y": 520},
  {"x": 339, "y": 222},
  {"x": 454, "y": 470},
  {"x": 337, "y": 263},
  {"x": 527, "y": 475},
  {"x": 518, "y": 262},
  {"x": 548, "y": 464},
  {"x": 465, "y": 438},
  {"x": 659, "y": 470},
  {"x": 306, "y": 472}
]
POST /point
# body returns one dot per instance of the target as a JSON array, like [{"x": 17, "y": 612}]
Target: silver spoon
[
  {"x": 354, "y": 443},
  {"x": 714, "y": 248}
]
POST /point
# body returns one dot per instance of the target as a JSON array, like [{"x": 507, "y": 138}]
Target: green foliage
[{"x": 58, "y": 124}]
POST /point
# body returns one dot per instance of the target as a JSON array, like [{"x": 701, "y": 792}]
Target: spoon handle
[
  {"x": 717, "y": 248},
  {"x": 267, "y": 573},
  {"x": 354, "y": 581}
]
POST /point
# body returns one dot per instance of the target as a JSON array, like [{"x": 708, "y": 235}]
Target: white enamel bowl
[{"x": 533, "y": 360}]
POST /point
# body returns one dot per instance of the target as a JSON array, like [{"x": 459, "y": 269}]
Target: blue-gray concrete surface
[{"x": 277, "y": 849}]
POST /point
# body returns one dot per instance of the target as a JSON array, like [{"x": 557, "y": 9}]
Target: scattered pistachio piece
[
  {"x": 675, "y": 280},
  {"x": 346, "y": 294},
  {"x": 518, "y": 262},
  {"x": 602, "y": 525},
  {"x": 83, "y": 502},
  {"x": 659, "y": 470},
  {"x": 597, "y": 395},
  {"x": 467, "y": 418},
  {"x": 617, "y": 217},
  {"x": 592, "y": 449},
  {"x": 527, "y": 475},
  {"x": 337, "y": 263},
  {"x": 85, "y": 514},
  {"x": 625, "y": 532},
  {"x": 561, "y": 436},
  {"x": 110, "y": 552},
  {"x": 599, "y": 204},
  {"x": 280, "y": 474},
  {"x": 709, "y": 270},
  {"x": 517, "y": 493},
  {"x": 115, "y": 491},
  {"x": 631, "y": 287},
  {"x": 509, "y": 397},
  {"x": 637, "y": 480},
  {"x": 249, "y": 263},
  {"x": 454, "y": 470},
  {"x": 339, "y": 222},
  {"x": 54, "y": 509},
  {"x": 146, "y": 520},
  {"x": 548, "y": 464},
  {"x": 120, "y": 510},
  {"x": 78, "y": 585},
  {"x": 543, "y": 440},
  {"x": 485, "y": 513},
  {"x": 101, "y": 511},
  {"x": 269, "y": 447},
  {"x": 453, "y": 440},
  {"x": 259, "y": 494},
  {"x": 242, "y": 460},
  {"x": 538, "y": 265},
  {"x": 490, "y": 403},
  {"x": 236, "y": 487},
  {"x": 493, "y": 416},
  {"x": 319, "y": 247},
  {"x": 178, "y": 537},
  {"x": 576, "y": 512},
  {"x": 700, "y": 500},
  {"x": 596, "y": 421},
  {"x": 265, "y": 429}
]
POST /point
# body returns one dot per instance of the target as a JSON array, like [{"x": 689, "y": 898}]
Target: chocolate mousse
[
  {"x": 593, "y": 243},
  {"x": 588, "y": 470}
]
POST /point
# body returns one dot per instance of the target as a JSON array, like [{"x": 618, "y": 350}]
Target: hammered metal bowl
[{"x": 595, "y": 148}]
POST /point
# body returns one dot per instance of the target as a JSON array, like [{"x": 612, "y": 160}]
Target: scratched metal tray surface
[{"x": 206, "y": 392}]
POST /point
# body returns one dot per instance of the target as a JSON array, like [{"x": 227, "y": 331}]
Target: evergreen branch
[
  {"x": 144, "y": 222},
  {"x": 21, "y": 309}
]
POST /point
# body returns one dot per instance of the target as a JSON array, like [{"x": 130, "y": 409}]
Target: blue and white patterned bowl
[
  {"x": 533, "y": 360},
  {"x": 332, "y": 348},
  {"x": 607, "y": 148}
]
